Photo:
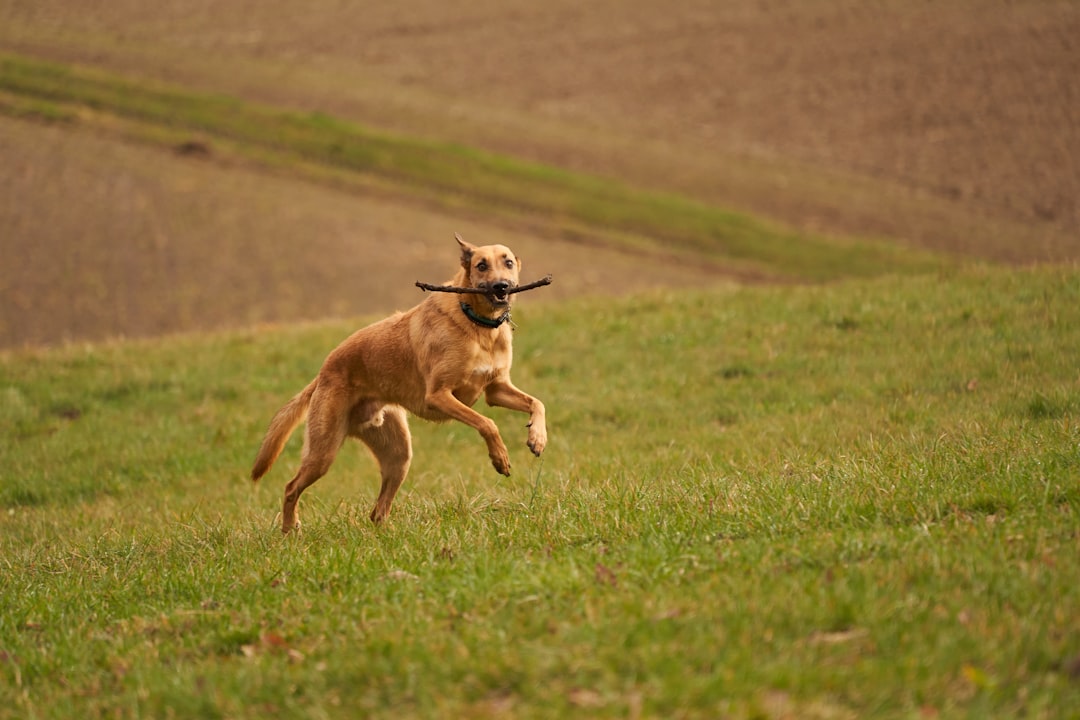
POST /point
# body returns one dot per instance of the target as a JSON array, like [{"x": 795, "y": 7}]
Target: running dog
[{"x": 434, "y": 361}]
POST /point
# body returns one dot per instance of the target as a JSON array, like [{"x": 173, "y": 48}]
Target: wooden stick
[{"x": 546, "y": 280}]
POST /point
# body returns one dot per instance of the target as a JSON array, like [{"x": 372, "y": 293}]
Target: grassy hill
[
  {"x": 854, "y": 500},
  {"x": 852, "y": 493}
]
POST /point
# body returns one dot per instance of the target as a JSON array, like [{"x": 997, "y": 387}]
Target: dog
[{"x": 434, "y": 361}]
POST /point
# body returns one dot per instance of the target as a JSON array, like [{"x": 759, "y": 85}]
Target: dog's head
[{"x": 491, "y": 269}]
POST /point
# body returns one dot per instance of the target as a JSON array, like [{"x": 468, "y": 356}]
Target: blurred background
[{"x": 134, "y": 202}]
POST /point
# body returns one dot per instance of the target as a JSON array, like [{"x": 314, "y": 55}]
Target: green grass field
[{"x": 844, "y": 501}]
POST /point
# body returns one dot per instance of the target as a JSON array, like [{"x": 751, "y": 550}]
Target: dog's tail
[{"x": 281, "y": 427}]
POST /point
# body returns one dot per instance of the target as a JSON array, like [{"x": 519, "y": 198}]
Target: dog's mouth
[{"x": 498, "y": 293}]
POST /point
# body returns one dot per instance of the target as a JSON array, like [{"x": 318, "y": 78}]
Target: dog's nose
[{"x": 500, "y": 286}]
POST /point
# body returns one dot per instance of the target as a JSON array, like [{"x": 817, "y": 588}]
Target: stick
[{"x": 546, "y": 280}]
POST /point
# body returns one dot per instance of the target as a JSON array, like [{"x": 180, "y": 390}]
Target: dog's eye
[
  {"x": 482, "y": 266},
  {"x": 510, "y": 264}
]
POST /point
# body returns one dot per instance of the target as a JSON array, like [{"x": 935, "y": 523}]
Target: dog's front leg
[
  {"x": 445, "y": 402},
  {"x": 504, "y": 394}
]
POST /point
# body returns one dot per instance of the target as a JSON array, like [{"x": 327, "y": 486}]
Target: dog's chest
[
  {"x": 485, "y": 367},
  {"x": 486, "y": 364},
  {"x": 484, "y": 373},
  {"x": 475, "y": 380}
]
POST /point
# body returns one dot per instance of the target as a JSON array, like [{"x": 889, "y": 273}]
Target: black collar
[{"x": 481, "y": 320}]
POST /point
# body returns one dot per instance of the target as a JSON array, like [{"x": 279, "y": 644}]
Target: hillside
[
  {"x": 144, "y": 241},
  {"x": 950, "y": 128},
  {"x": 856, "y": 500},
  {"x": 140, "y": 241},
  {"x": 809, "y": 358}
]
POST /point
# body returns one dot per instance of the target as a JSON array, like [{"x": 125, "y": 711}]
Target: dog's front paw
[
  {"x": 501, "y": 461},
  {"x": 537, "y": 438}
]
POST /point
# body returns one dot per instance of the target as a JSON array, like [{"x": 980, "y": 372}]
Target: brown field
[
  {"x": 143, "y": 242},
  {"x": 952, "y": 125}
]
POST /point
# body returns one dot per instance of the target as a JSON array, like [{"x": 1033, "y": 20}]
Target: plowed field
[{"x": 952, "y": 125}]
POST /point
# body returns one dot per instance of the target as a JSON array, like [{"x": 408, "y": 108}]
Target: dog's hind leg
[
  {"x": 391, "y": 444},
  {"x": 326, "y": 429}
]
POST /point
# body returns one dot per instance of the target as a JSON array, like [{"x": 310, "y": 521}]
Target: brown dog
[{"x": 434, "y": 361}]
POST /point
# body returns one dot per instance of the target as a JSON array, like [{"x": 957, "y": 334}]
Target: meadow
[
  {"x": 846, "y": 488},
  {"x": 850, "y": 500}
]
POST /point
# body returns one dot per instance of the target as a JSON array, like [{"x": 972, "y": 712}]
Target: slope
[{"x": 854, "y": 500}]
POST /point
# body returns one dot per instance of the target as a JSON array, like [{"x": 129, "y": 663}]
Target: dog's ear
[{"x": 466, "y": 251}]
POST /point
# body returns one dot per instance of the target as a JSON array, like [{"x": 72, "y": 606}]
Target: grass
[
  {"x": 450, "y": 175},
  {"x": 855, "y": 500}
]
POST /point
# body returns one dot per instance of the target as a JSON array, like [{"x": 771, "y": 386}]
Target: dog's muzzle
[{"x": 499, "y": 292}]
